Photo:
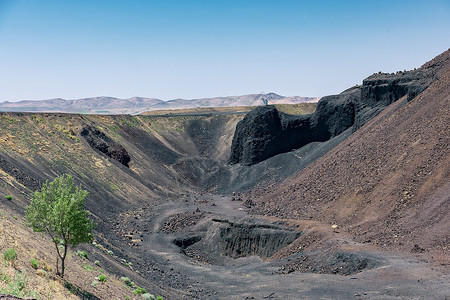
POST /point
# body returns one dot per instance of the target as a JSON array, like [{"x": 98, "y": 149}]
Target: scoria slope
[{"x": 387, "y": 185}]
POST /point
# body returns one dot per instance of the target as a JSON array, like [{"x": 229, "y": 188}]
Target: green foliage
[
  {"x": 58, "y": 209},
  {"x": 88, "y": 267},
  {"x": 102, "y": 278},
  {"x": 148, "y": 296},
  {"x": 159, "y": 298},
  {"x": 110, "y": 252},
  {"x": 94, "y": 283},
  {"x": 97, "y": 263},
  {"x": 10, "y": 254},
  {"x": 127, "y": 281},
  {"x": 9, "y": 197},
  {"x": 82, "y": 254},
  {"x": 139, "y": 291},
  {"x": 18, "y": 286},
  {"x": 34, "y": 263}
]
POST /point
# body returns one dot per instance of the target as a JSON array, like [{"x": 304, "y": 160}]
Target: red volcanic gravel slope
[{"x": 387, "y": 184}]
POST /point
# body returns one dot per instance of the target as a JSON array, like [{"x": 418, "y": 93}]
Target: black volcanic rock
[
  {"x": 380, "y": 90},
  {"x": 99, "y": 141},
  {"x": 265, "y": 132},
  {"x": 334, "y": 114}
]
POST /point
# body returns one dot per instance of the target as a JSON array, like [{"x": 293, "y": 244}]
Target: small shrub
[
  {"x": 97, "y": 263},
  {"x": 159, "y": 298},
  {"x": 129, "y": 264},
  {"x": 110, "y": 252},
  {"x": 17, "y": 286},
  {"x": 148, "y": 296},
  {"x": 82, "y": 254},
  {"x": 139, "y": 291},
  {"x": 94, "y": 283},
  {"x": 102, "y": 278},
  {"x": 127, "y": 281},
  {"x": 88, "y": 267},
  {"x": 34, "y": 263},
  {"x": 10, "y": 254},
  {"x": 9, "y": 197}
]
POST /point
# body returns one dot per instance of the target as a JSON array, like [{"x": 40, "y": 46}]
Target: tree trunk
[
  {"x": 57, "y": 259},
  {"x": 63, "y": 259}
]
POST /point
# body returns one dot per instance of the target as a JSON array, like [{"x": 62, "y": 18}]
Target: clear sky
[{"x": 188, "y": 49}]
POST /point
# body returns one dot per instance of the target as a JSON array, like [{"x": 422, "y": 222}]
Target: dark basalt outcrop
[
  {"x": 265, "y": 132},
  {"x": 99, "y": 141},
  {"x": 20, "y": 173},
  {"x": 243, "y": 239},
  {"x": 225, "y": 239}
]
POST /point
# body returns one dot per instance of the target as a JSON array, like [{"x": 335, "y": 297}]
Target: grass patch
[
  {"x": 139, "y": 291},
  {"x": 82, "y": 254},
  {"x": 17, "y": 286},
  {"x": 127, "y": 281},
  {"x": 34, "y": 263},
  {"x": 10, "y": 254},
  {"x": 102, "y": 278}
]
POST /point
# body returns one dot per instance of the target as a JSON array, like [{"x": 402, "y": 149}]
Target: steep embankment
[
  {"x": 121, "y": 160},
  {"x": 387, "y": 184}
]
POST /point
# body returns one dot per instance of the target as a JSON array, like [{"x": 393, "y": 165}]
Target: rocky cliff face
[
  {"x": 99, "y": 141},
  {"x": 265, "y": 132}
]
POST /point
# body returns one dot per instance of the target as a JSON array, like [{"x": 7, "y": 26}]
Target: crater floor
[{"x": 210, "y": 247}]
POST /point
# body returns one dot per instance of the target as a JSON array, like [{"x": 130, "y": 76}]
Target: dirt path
[{"x": 197, "y": 268}]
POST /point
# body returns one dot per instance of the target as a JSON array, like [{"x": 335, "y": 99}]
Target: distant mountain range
[{"x": 137, "y": 105}]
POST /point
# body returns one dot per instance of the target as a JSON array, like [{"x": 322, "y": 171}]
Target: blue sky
[{"x": 170, "y": 49}]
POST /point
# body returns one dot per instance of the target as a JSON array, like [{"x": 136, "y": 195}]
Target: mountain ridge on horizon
[{"x": 136, "y": 105}]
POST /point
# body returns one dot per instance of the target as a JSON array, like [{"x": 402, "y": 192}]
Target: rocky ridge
[{"x": 265, "y": 132}]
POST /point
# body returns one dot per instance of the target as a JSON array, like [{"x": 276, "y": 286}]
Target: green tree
[{"x": 58, "y": 209}]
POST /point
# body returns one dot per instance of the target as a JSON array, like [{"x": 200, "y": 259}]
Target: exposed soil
[{"x": 199, "y": 257}]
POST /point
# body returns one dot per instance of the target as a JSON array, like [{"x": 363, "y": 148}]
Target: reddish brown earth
[{"x": 387, "y": 185}]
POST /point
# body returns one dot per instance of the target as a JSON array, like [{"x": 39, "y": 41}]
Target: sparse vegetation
[
  {"x": 82, "y": 254},
  {"x": 139, "y": 291},
  {"x": 127, "y": 281},
  {"x": 9, "y": 255},
  {"x": 34, "y": 263},
  {"x": 9, "y": 197},
  {"x": 17, "y": 286},
  {"x": 102, "y": 278},
  {"x": 58, "y": 209},
  {"x": 88, "y": 267},
  {"x": 148, "y": 296},
  {"x": 97, "y": 263}
]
